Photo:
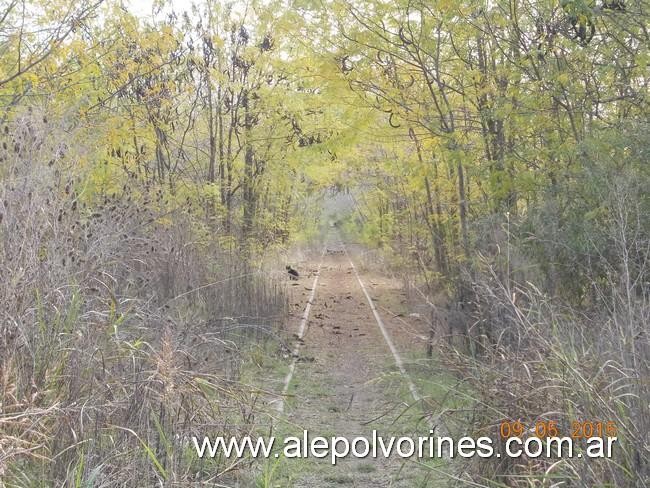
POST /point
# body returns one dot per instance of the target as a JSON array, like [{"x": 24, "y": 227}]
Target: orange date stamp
[{"x": 577, "y": 429}]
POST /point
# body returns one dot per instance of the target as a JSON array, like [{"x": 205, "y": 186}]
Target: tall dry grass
[
  {"x": 533, "y": 353},
  {"x": 122, "y": 326}
]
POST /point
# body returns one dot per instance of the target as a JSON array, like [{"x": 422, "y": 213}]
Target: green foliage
[{"x": 511, "y": 133}]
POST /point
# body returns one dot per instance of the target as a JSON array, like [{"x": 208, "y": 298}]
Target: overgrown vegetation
[
  {"x": 496, "y": 152},
  {"x": 515, "y": 193},
  {"x": 123, "y": 322}
]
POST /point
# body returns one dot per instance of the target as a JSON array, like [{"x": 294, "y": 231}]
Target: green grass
[
  {"x": 266, "y": 369},
  {"x": 439, "y": 390}
]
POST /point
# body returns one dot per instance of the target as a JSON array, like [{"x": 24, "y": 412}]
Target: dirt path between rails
[{"x": 345, "y": 381}]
